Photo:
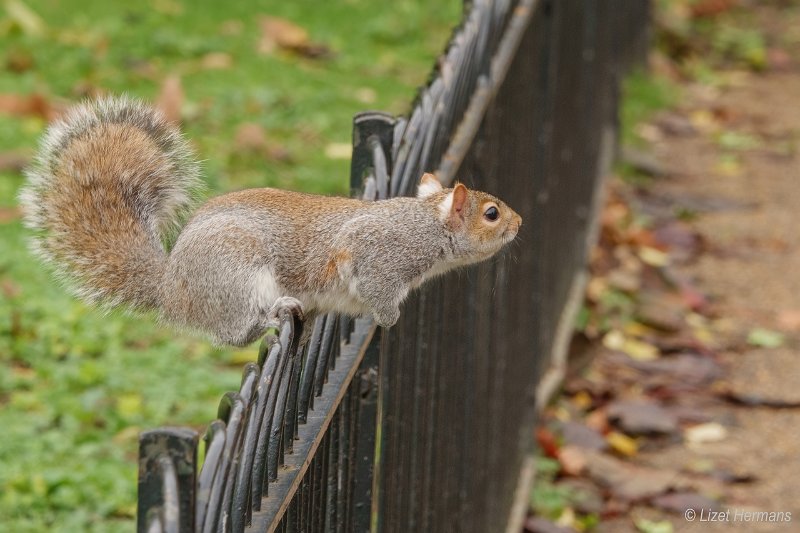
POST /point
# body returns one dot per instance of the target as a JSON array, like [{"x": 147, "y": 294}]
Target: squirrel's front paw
[
  {"x": 293, "y": 305},
  {"x": 387, "y": 317}
]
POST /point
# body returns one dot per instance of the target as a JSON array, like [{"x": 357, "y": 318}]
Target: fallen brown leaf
[
  {"x": 9, "y": 288},
  {"x": 686, "y": 368},
  {"x": 14, "y": 161},
  {"x": 598, "y": 420},
  {"x": 660, "y": 311},
  {"x": 19, "y": 61},
  {"x": 9, "y": 214},
  {"x": 682, "y": 241},
  {"x": 711, "y": 8},
  {"x": 755, "y": 400},
  {"x": 251, "y": 137},
  {"x": 572, "y": 460},
  {"x": 216, "y": 61},
  {"x": 730, "y": 476},
  {"x": 280, "y": 33},
  {"x": 640, "y": 418},
  {"x": 582, "y": 436},
  {"x": 625, "y": 280},
  {"x": 29, "y": 104},
  {"x": 676, "y": 124},
  {"x": 629, "y": 482},
  {"x": 547, "y": 442},
  {"x": 643, "y": 162},
  {"x": 789, "y": 319}
]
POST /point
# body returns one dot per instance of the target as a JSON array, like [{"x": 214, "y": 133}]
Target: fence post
[
  {"x": 373, "y": 136},
  {"x": 373, "y": 141},
  {"x": 167, "y": 472},
  {"x": 367, "y": 420}
]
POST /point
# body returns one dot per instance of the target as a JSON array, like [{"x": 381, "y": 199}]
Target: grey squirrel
[{"x": 113, "y": 180}]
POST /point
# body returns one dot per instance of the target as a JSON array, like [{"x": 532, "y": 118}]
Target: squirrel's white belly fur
[
  {"x": 341, "y": 296},
  {"x": 338, "y": 298}
]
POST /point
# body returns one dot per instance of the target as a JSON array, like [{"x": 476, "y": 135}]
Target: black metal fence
[{"x": 427, "y": 426}]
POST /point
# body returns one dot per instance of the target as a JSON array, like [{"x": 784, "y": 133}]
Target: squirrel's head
[{"x": 480, "y": 223}]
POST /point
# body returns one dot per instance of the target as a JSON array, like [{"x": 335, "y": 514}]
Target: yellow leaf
[
  {"x": 653, "y": 257},
  {"x": 596, "y": 288},
  {"x": 614, "y": 340},
  {"x": 640, "y": 350},
  {"x": 622, "y": 444},
  {"x": 636, "y": 349},
  {"x": 567, "y": 518},
  {"x": 26, "y": 18},
  {"x": 703, "y": 120},
  {"x": 129, "y": 404},
  {"x": 582, "y": 400},
  {"x": 637, "y": 329},
  {"x": 339, "y": 151},
  {"x": 702, "y": 433},
  {"x": 242, "y": 356}
]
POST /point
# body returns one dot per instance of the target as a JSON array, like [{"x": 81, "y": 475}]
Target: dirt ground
[
  {"x": 749, "y": 221},
  {"x": 732, "y": 175}
]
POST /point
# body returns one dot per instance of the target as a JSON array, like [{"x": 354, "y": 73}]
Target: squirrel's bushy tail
[{"x": 110, "y": 182}]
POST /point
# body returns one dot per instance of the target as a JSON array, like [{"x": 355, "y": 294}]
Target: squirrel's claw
[{"x": 293, "y": 305}]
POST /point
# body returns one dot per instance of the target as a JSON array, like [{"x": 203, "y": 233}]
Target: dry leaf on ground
[
  {"x": 582, "y": 436},
  {"x": 9, "y": 214},
  {"x": 640, "y": 418},
  {"x": 14, "y": 161},
  {"x": 627, "y": 481},
  {"x": 789, "y": 319},
  {"x": 251, "y": 137},
  {"x": 28, "y": 104},
  {"x": 279, "y": 33},
  {"x": 216, "y": 61},
  {"x": 705, "y": 433}
]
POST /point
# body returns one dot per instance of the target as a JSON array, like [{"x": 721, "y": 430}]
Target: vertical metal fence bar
[{"x": 167, "y": 475}]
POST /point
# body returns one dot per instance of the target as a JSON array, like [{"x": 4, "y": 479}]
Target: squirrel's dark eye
[{"x": 492, "y": 213}]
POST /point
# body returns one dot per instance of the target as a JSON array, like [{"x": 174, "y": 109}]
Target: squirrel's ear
[
  {"x": 428, "y": 185},
  {"x": 459, "y": 200}
]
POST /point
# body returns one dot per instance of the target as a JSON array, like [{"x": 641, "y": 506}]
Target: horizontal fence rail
[{"x": 426, "y": 426}]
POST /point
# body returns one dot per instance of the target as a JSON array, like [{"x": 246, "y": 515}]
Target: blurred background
[{"x": 682, "y": 399}]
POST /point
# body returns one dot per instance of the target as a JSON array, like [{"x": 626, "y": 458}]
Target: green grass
[
  {"x": 642, "y": 95},
  {"x": 76, "y": 386}
]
